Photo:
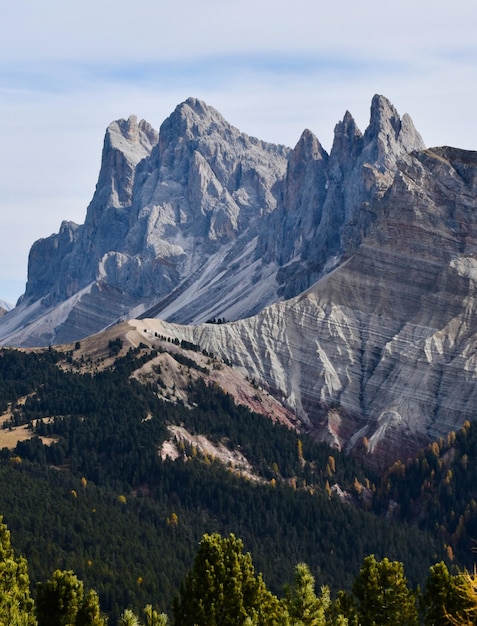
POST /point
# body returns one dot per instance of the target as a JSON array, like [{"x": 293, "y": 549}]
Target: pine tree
[
  {"x": 383, "y": 595},
  {"x": 304, "y": 607},
  {"x": 462, "y": 605},
  {"x": 61, "y": 601},
  {"x": 223, "y": 590},
  {"x": 16, "y": 605},
  {"x": 128, "y": 618},
  {"x": 440, "y": 599},
  {"x": 154, "y": 618}
]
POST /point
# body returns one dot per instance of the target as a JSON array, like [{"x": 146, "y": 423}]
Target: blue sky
[{"x": 68, "y": 69}]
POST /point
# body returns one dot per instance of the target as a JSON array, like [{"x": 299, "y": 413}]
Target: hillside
[{"x": 102, "y": 495}]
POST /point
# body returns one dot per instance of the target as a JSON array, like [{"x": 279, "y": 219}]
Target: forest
[
  {"x": 100, "y": 501},
  {"x": 223, "y": 589}
]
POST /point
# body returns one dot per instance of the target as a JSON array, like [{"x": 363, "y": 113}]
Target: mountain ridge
[
  {"x": 200, "y": 194},
  {"x": 349, "y": 277}
]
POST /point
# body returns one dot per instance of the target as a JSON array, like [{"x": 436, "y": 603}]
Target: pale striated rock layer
[{"x": 379, "y": 356}]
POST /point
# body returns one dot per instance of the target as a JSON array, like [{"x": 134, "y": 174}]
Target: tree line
[{"x": 223, "y": 589}]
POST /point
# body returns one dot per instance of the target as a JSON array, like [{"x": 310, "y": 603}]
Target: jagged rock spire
[
  {"x": 388, "y": 135},
  {"x": 168, "y": 204}
]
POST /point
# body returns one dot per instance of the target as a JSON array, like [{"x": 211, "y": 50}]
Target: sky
[{"x": 272, "y": 69}]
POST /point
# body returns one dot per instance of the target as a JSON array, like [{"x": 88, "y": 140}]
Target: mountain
[
  {"x": 171, "y": 211},
  {"x": 201, "y": 220},
  {"x": 379, "y": 356},
  {"x": 350, "y": 276}
]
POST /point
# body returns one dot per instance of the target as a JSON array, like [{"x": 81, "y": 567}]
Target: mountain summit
[
  {"x": 200, "y": 220},
  {"x": 349, "y": 278}
]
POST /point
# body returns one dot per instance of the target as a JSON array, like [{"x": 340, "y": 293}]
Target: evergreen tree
[
  {"x": 61, "y": 601},
  {"x": 129, "y": 618},
  {"x": 89, "y": 613},
  {"x": 16, "y": 605},
  {"x": 466, "y": 587},
  {"x": 383, "y": 595},
  {"x": 443, "y": 601},
  {"x": 304, "y": 608},
  {"x": 154, "y": 618},
  {"x": 223, "y": 590}
]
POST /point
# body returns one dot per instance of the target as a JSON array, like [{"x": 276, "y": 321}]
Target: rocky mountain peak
[
  {"x": 384, "y": 116},
  {"x": 330, "y": 203},
  {"x": 190, "y": 120},
  {"x": 348, "y": 139},
  {"x": 218, "y": 178},
  {"x": 305, "y": 171},
  {"x": 126, "y": 143},
  {"x": 387, "y": 135},
  {"x": 199, "y": 108},
  {"x": 308, "y": 146},
  {"x": 132, "y": 139}
]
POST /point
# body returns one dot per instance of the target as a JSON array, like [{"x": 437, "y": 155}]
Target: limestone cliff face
[
  {"x": 200, "y": 220},
  {"x": 380, "y": 355},
  {"x": 171, "y": 210},
  {"x": 174, "y": 209},
  {"x": 64, "y": 263},
  {"x": 351, "y": 277},
  {"x": 332, "y": 200}
]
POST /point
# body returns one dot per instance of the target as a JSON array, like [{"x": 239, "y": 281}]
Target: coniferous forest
[{"x": 90, "y": 494}]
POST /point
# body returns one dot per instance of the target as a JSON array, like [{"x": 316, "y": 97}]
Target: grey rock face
[
  {"x": 358, "y": 172},
  {"x": 201, "y": 220},
  {"x": 170, "y": 209},
  {"x": 380, "y": 355},
  {"x": 351, "y": 276},
  {"x": 63, "y": 264}
]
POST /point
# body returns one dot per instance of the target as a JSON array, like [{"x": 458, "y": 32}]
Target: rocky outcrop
[
  {"x": 336, "y": 214},
  {"x": 169, "y": 209},
  {"x": 351, "y": 277},
  {"x": 380, "y": 355},
  {"x": 202, "y": 221},
  {"x": 63, "y": 264}
]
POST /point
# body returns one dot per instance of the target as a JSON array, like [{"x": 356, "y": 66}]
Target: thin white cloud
[{"x": 271, "y": 68}]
